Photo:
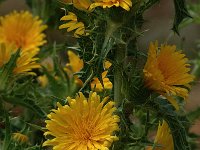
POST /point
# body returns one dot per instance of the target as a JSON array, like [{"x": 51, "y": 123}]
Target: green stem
[
  {"x": 109, "y": 40},
  {"x": 120, "y": 54}
]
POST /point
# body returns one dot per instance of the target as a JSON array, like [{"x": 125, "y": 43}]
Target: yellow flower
[
  {"x": 79, "y": 4},
  {"x": 25, "y": 62},
  {"x": 125, "y": 4},
  {"x": 73, "y": 24},
  {"x": 75, "y": 63},
  {"x": 97, "y": 86},
  {"x": 164, "y": 139},
  {"x": 167, "y": 72},
  {"x": 22, "y": 29},
  {"x": 21, "y": 138},
  {"x": 83, "y": 124},
  {"x": 43, "y": 80}
]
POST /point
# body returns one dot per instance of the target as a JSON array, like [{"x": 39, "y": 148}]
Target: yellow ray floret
[
  {"x": 73, "y": 24},
  {"x": 79, "y": 4},
  {"x": 74, "y": 66},
  {"x": 164, "y": 139},
  {"x": 25, "y": 62},
  {"x": 167, "y": 71},
  {"x": 125, "y": 4},
  {"x": 22, "y": 29},
  {"x": 6, "y": 51},
  {"x": 75, "y": 63},
  {"x": 84, "y": 124},
  {"x": 97, "y": 86}
]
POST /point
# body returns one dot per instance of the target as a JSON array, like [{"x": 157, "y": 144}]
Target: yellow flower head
[
  {"x": 75, "y": 63},
  {"x": 97, "y": 86},
  {"x": 25, "y": 62},
  {"x": 22, "y": 29},
  {"x": 83, "y": 124},
  {"x": 73, "y": 24},
  {"x": 21, "y": 138},
  {"x": 125, "y": 4},
  {"x": 79, "y": 4},
  {"x": 166, "y": 71},
  {"x": 164, "y": 139}
]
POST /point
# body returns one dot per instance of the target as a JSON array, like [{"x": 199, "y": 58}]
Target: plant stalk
[{"x": 120, "y": 54}]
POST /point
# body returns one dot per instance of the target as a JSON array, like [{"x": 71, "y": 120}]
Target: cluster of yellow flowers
[
  {"x": 167, "y": 73},
  {"x": 165, "y": 77},
  {"x": 91, "y": 123}
]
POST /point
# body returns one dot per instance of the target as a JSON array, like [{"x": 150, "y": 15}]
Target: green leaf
[
  {"x": 6, "y": 71},
  {"x": 36, "y": 126},
  {"x": 27, "y": 103},
  {"x": 177, "y": 125},
  {"x": 181, "y": 13},
  {"x": 178, "y": 133}
]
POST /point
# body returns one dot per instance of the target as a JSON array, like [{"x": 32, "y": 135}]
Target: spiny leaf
[
  {"x": 27, "y": 103},
  {"x": 6, "y": 71},
  {"x": 167, "y": 112},
  {"x": 181, "y": 13}
]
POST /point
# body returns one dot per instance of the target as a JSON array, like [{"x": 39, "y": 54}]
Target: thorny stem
[
  {"x": 109, "y": 40},
  {"x": 87, "y": 81},
  {"x": 120, "y": 54}
]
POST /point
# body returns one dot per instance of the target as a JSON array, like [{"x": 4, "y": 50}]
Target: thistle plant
[{"x": 97, "y": 90}]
